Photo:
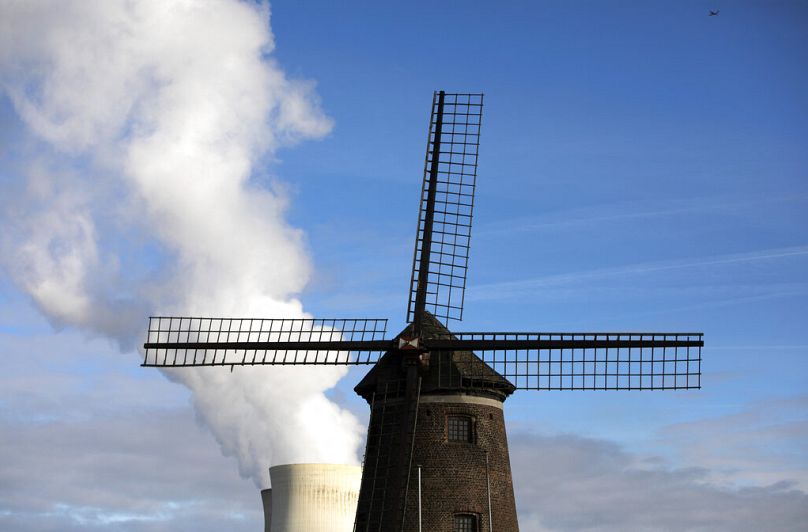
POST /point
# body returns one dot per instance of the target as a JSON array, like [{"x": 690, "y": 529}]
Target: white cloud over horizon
[
  {"x": 566, "y": 482},
  {"x": 119, "y": 445},
  {"x": 102, "y": 449}
]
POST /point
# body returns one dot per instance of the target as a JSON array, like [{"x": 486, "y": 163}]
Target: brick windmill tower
[{"x": 437, "y": 453}]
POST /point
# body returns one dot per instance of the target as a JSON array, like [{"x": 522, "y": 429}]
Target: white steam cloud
[{"x": 137, "y": 189}]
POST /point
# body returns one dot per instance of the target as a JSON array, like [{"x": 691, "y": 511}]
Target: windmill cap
[{"x": 449, "y": 372}]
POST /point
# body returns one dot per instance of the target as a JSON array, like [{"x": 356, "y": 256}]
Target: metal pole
[
  {"x": 488, "y": 483},
  {"x": 411, "y": 372},
  {"x": 419, "y": 498}
]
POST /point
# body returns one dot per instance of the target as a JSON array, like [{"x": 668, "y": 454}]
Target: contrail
[{"x": 495, "y": 290}]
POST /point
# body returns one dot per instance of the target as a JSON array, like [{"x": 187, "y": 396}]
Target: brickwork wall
[{"x": 453, "y": 474}]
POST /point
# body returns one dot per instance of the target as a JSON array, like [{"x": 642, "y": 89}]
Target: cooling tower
[
  {"x": 314, "y": 497},
  {"x": 266, "y": 500}
]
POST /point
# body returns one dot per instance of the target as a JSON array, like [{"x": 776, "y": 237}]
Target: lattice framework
[
  {"x": 451, "y": 154},
  {"x": 188, "y": 341}
]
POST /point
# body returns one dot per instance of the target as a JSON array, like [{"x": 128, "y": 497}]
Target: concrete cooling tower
[{"x": 312, "y": 497}]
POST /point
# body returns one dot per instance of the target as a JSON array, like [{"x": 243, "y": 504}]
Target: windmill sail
[
  {"x": 186, "y": 341},
  {"x": 580, "y": 361},
  {"x": 442, "y": 242},
  {"x": 529, "y": 361}
]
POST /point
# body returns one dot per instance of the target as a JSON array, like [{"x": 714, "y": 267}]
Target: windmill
[{"x": 436, "y": 455}]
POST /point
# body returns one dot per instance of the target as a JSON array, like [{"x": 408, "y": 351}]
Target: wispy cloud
[
  {"x": 567, "y": 483},
  {"x": 101, "y": 449},
  {"x": 629, "y": 212},
  {"x": 772, "y": 347},
  {"x": 761, "y": 444},
  {"x": 507, "y": 289}
]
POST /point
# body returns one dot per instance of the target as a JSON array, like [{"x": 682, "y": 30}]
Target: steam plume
[{"x": 138, "y": 191}]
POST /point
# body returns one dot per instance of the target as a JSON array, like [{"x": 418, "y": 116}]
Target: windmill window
[
  {"x": 465, "y": 523},
  {"x": 459, "y": 429}
]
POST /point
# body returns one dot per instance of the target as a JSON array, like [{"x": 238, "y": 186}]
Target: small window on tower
[
  {"x": 465, "y": 523},
  {"x": 459, "y": 429}
]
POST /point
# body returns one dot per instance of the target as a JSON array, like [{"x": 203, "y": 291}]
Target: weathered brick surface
[{"x": 453, "y": 474}]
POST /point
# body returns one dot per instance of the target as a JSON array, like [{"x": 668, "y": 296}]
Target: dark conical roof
[{"x": 449, "y": 372}]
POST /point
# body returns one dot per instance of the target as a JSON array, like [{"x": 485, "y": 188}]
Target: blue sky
[{"x": 642, "y": 167}]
